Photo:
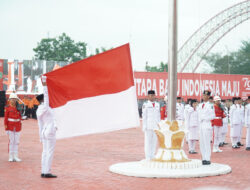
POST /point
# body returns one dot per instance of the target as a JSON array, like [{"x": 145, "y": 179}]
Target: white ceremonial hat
[
  {"x": 13, "y": 96},
  {"x": 166, "y": 98},
  {"x": 217, "y": 98}
]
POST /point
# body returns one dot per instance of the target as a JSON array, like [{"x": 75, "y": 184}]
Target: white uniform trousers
[
  {"x": 217, "y": 135},
  {"x": 150, "y": 143},
  {"x": 191, "y": 145},
  {"x": 13, "y": 141},
  {"x": 205, "y": 137},
  {"x": 248, "y": 136},
  {"x": 235, "y": 133},
  {"x": 47, "y": 154},
  {"x": 241, "y": 128},
  {"x": 224, "y": 131}
]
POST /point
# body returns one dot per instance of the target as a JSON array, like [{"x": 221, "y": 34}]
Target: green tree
[
  {"x": 234, "y": 63},
  {"x": 62, "y": 48},
  {"x": 161, "y": 68}
]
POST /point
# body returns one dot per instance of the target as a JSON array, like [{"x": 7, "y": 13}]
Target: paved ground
[{"x": 83, "y": 162}]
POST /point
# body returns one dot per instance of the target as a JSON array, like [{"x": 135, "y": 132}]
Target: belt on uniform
[
  {"x": 13, "y": 120},
  {"x": 218, "y": 118}
]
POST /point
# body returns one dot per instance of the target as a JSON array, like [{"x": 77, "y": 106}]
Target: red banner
[
  {"x": 1, "y": 74},
  {"x": 192, "y": 85}
]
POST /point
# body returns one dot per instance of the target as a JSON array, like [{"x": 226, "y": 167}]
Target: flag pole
[{"x": 172, "y": 60}]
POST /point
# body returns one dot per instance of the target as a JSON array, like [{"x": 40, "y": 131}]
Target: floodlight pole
[{"x": 172, "y": 60}]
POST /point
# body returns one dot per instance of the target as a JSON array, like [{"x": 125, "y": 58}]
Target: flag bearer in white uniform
[
  {"x": 247, "y": 123},
  {"x": 186, "y": 116},
  {"x": 206, "y": 114},
  {"x": 235, "y": 123},
  {"x": 242, "y": 113},
  {"x": 47, "y": 131},
  {"x": 224, "y": 129},
  {"x": 192, "y": 121},
  {"x": 179, "y": 109},
  {"x": 150, "y": 119}
]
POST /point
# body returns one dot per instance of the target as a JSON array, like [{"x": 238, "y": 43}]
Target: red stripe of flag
[{"x": 106, "y": 73}]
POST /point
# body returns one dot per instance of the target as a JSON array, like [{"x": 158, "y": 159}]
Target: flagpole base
[{"x": 140, "y": 169}]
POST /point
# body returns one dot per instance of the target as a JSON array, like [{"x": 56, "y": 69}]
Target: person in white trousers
[
  {"x": 224, "y": 129},
  {"x": 13, "y": 126},
  {"x": 242, "y": 114},
  {"x": 206, "y": 113},
  {"x": 179, "y": 109},
  {"x": 192, "y": 121},
  {"x": 47, "y": 131},
  {"x": 247, "y": 123},
  {"x": 217, "y": 123},
  {"x": 235, "y": 123},
  {"x": 150, "y": 119}
]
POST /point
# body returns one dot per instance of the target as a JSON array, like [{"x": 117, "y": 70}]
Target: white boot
[
  {"x": 214, "y": 149},
  {"x": 16, "y": 157},
  {"x": 11, "y": 159},
  {"x": 219, "y": 150}
]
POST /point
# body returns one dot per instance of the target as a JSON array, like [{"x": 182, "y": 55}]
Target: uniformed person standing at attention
[
  {"x": 247, "y": 123},
  {"x": 150, "y": 118},
  {"x": 235, "y": 122},
  {"x": 47, "y": 131},
  {"x": 206, "y": 113},
  {"x": 179, "y": 109},
  {"x": 242, "y": 116},
  {"x": 12, "y": 123}
]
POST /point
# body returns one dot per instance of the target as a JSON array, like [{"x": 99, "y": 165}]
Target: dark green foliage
[
  {"x": 234, "y": 63},
  {"x": 161, "y": 68}
]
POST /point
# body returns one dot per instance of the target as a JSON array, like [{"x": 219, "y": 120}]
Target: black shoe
[
  {"x": 205, "y": 162},
  {"x": 221, "y": 145},
  {"x": 42, "y": 175},
  {"x": 235, "y": 147},
  {"x": 192, "y": 152},
  {"x": 247, "y": 148},
  {"x": 49, "y": 176},
  {"x": 225, "y": 143},
  {"x": 239, "y": 144}
]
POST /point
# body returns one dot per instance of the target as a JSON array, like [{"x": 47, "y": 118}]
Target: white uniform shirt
[
  {"x": 179, "y": 111},
  {"x": 206, "y": 112},
  {"x": 193, "y": 117},
  {"x": 242, "y": 113},
  {"x": 247, "y": 114},
  {"x": 235, "y": 115},
  {"x": 150, "y": 115},
  {"x": 45, "y": 117},
  {"x": 225, "y": 119}
]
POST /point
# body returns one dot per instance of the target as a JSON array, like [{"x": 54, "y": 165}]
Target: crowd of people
[
  {"x": 31, "y": 105},
  {"x": 206, "y": 121}
]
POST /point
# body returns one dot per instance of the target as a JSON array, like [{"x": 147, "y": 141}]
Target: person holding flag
[{"x": 47, "y": 131}]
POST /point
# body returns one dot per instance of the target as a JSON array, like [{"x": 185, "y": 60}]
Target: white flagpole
[{"x": 172, "y": 60}]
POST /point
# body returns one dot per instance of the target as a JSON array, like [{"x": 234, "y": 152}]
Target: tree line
[
  {"x": 63, "y": 48},
  {"x": 237, "y": 62}
]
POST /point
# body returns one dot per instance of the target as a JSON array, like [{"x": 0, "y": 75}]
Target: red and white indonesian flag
[{"x": 94, "y": 95}]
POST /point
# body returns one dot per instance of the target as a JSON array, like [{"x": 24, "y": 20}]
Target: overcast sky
[{"x": 108, "y": 23}]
